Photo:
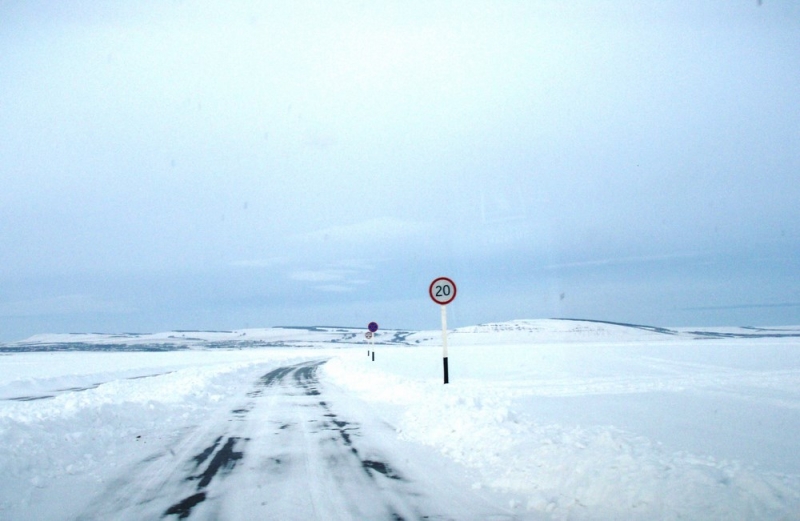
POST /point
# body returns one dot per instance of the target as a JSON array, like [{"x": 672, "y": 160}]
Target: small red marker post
[
  {"x": 368, "y": 336},
  {"x": 442, "y": 291}
]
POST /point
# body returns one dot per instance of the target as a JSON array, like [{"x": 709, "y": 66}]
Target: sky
[{"x": 221, "y": 165}]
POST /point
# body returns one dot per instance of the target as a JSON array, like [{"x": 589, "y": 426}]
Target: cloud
[
  {"x": 61, "y": 305},
  {"x": 323, "y": 275},
  {"x": 260, "y": 263},
  {"x": 318, "y": 139},
  {"x": 622, "y": 260},
  {"x": 369, "y": 231},
  {"x": 744, "y": 306},
  {"x": 334, "y": 279},
  {"x": 335, "y": 288}
]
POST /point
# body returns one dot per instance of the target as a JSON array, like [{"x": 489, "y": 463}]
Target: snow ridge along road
[{"x": 292, "y": 449}]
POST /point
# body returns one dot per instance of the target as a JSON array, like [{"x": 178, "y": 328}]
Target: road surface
[{"x": 294, "y": 448}]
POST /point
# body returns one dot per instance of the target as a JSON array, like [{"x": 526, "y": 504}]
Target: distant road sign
[
  {"x": 368, "y": 334},
  {"x": 373, "y": 326},
  {"x": 442, "y": 290}
]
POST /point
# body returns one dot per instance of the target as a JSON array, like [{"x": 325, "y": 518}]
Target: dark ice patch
[
  {"x": 183, "y": 509},
  {"x": 380, "y": 467},
  {"x": 200, "y": 458},
  {"x": 224, "y": 460}
]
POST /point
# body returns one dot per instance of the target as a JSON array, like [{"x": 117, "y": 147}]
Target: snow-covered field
[{"x": 542, "y": 419}]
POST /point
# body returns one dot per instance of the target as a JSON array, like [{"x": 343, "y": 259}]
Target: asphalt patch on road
[
  {"x": 222, "y": 458},
  {"x": 381, "y": 467},
  {"x": 184, "y": 508}
]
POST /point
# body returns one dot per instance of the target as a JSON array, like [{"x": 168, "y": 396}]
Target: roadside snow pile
[
  {"x": 138, "y": 378},
  {"x": 562, "y": 470}
]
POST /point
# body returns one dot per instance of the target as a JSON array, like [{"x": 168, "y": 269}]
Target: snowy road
[{"x": 292, "y": 448}]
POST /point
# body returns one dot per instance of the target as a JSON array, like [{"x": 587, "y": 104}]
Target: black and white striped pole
[{"x": 443, "y": 291}]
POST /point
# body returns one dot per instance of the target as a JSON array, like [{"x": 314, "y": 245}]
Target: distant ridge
[
  {"x": 709, "y": 333},
  {"x": 521, "y": 331},
  {"x": 653, "y": 329}
]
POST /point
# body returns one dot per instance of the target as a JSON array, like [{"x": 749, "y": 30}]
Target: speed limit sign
[{"x": 442, "y": 290}]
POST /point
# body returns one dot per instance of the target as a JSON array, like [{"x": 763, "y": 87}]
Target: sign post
[
  {"x": 372, "y": 328},
  {"x": 368, "y": 336},
  {"x": 442, "y": 291}
]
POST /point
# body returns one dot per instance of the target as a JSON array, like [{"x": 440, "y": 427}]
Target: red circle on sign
[
  {"x": 442, "y": 290},
  {"x": 373, "y": 326}
]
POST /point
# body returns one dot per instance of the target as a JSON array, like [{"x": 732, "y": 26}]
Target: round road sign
[
  {"x": 368, "y": 334},
  {"x": 373, "y": 326},
  {"x": 442, "y": 290}
]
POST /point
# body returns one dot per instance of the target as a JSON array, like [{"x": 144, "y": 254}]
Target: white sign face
[
  {"x": 368, "y": 334},
  {"x": 442, "y": 290}
]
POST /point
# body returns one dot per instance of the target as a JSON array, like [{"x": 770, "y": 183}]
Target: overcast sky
[{"x": 219, "y": 165}]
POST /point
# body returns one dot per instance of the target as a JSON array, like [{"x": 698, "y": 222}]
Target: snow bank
[{"x": 567, "y": 470}]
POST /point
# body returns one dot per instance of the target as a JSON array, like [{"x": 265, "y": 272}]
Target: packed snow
[{"x": 541, "y": 420}]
